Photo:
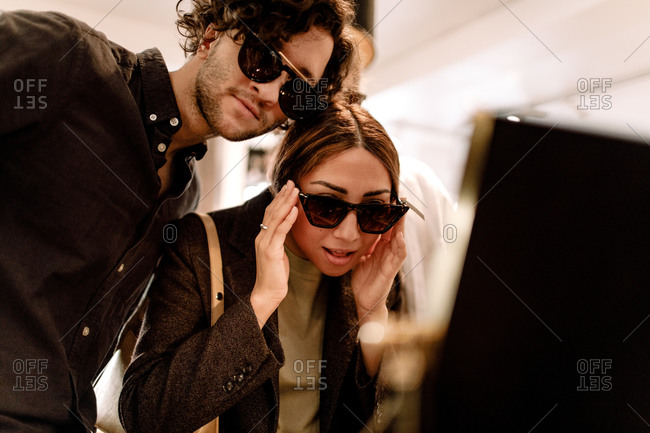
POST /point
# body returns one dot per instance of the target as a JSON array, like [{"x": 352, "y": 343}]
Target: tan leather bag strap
[
  {"x": 217, "y": 292},
  {"x": 216, "y": 275}
]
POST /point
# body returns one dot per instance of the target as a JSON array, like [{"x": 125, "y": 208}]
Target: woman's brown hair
[{"x": 342, "y": 126}]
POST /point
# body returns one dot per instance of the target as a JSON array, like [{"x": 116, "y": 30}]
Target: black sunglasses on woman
[{"x": 327, "y": 212}]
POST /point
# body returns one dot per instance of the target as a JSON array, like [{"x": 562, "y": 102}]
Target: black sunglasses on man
[{"x": 260, "y": 63}]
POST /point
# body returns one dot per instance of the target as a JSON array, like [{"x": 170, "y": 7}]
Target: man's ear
[{"x": 210, "y": 36}]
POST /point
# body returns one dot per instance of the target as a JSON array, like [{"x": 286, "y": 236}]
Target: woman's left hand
[{"x": 373, "y": 277}]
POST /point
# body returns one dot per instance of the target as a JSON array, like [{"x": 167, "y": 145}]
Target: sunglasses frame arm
[
  {"x": 411, "y": 206},
  {"x": 292, "y": 67}
]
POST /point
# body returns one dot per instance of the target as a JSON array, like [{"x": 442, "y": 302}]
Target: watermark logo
[
  {"x": 30, "y": 374},
  {"x": 593, "y": 94},
  {"x": 29, "y": 94},
  {"x": 309, "y": 374},
  {"x": 170, "y": 233},
  {"x": 593, "y": 374},
  {"x": 450, "y": 233}
]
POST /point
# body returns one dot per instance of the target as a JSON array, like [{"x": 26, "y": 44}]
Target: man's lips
[{"x": 250, "y": 106}]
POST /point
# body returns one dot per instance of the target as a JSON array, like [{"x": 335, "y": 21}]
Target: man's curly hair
[{"x": 275, "y": 22}]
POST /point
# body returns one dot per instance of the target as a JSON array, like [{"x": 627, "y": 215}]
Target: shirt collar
[
  {"x": 158, "y": 96},
  {"x": 161, "y": 115}
]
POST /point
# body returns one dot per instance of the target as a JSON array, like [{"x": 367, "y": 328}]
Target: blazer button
[
  {"x": 239, "y": 378},
  {"x": 248, "y": 368},
  {"x": 228, "y": 387}
]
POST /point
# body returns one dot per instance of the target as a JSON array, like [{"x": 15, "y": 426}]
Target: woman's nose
[{"x": 348, "y": 229}]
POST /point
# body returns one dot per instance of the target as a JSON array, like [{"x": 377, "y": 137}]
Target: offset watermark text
[
  {"x": 594, "y": 374},
  {"x": 593, "y": 94},
  {"x": 29, "y": 93},
  {"x": 30, "y": 374},
  {"x": 309, "y": 96},
  {"x": 309, "y": 374}
]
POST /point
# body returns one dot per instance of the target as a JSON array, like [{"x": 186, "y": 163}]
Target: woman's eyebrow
[
  {"x": 378, "y": 192},
  {"x": 330, "y": 186},
  {"x": 345, "y": 191}
]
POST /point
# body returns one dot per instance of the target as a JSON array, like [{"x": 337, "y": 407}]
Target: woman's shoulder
[
  {"x": 243, "y": 218},
  {"x": 238, "y": 222}
]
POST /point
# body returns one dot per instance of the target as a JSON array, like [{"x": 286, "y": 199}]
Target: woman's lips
[{"x": 338, "y": 257}]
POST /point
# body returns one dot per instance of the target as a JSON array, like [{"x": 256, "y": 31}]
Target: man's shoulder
[
  {"x": 55, "y": 34},
  {"x": 48, "y": 26}
]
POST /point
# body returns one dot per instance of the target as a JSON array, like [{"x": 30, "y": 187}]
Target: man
[{"x": 98, "y": 147}]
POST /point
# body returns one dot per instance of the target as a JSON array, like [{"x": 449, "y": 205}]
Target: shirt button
[
  {"x": 162, "y": 147},
  {"x": 173, "y": 121},
  {"x": 86, "y": 331},
  {"x": 153, "y": 117},
  {"x": 121, "y": 268},
  {"x": 219, "y": 296}
]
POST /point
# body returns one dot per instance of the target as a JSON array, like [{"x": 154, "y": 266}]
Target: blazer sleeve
[{"x": 185, "y": 373}]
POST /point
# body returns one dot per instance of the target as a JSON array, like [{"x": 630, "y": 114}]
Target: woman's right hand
[{"x": 272, "y": 273}]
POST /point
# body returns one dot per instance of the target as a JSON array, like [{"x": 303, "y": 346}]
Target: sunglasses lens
[
  {"x": 298, "y": 99},
  {"x": 258, "y": 63},
  {"x": 328, "y": 212},
  {"x": 378, "y": 218},
  {"x": 324, "y": 212}
]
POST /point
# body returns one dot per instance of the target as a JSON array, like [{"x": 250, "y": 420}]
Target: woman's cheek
[{"x": 373, "y": 245}]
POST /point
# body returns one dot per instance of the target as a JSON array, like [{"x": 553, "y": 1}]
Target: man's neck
[{"x": 194, "y": 129}]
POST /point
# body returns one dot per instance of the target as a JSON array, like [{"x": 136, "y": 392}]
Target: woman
[{"x": 307, "y": 265}]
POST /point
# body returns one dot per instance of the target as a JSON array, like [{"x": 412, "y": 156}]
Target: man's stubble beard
[{"x": 210, "y": 108}]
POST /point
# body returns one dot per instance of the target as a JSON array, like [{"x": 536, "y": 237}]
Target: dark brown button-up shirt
[{"x": 85, "y": 127}]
